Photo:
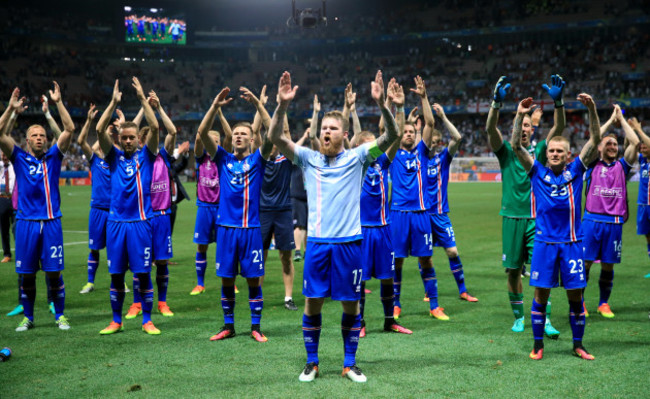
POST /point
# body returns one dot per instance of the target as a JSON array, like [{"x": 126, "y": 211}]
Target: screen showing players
[{"x": 148, "y": 25}]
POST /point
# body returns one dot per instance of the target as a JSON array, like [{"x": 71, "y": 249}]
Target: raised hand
[
  {"x": 248, "y": 95},
  {"x": 153, "y": 99},
  {"x": 92, "y": 112},
  {"x": 397, "y": 94},
  {"x": 350, "y": 96},
  {"x": 45, "y": 106},
  {"x": 16, "y": 103},
  {"x": 120, "y": 118},
  {"x": 184, "y": 148},
  {"x": 557, "y": 86},
  {"x": 263, "y": 97},
  {"x": 437, "y": 108},
  {"x": 420, "y": 88},
  {"x": 316, "y": 104},
  {"x": 138, "y": 88},
  {"x": 117, "y": 94},
  {"x": 526, "y": 105},
  {"x": 634, "y": 123},
  {"x": 286, "y": 93},
  {"x": 56, "y": 94},
  {"x": 586, "y": 100},
  {"x": 501, "y": 89},
  {"x": 222, "y": 98},
  {"x": 377, "y": 89},
  {"x": 617, "y": 114},
  {"x": 413, "y": 115}
]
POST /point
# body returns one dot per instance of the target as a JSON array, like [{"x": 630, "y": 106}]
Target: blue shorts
[
  {"x": 643, "y": 220},
  {"x": 238, "y": 246},
  {"x": 97, "y": 228},
  {"x": 280, "y": 224},
  {"x": 602, "y": 241},
  {"x": 205, "y": 227},
  {"x": 551, "y": 261},
  {"x": 129, "y": 246},
  {"x": 411, "y": 233},
  {"x": 442, "y": 230},
  {"x": 378, "y": 259},
  {"x": 39, "y": 241},
  {"x": 162, "y": 237},
  {"x": 333, "y": 270}
]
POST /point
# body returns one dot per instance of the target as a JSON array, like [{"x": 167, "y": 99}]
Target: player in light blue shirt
[
  {"x": 39, "y": 243},
  {"x": 558, "y": 248},
  {"x": 129, "y": 232},
  {"x": 333, "y": 179}
]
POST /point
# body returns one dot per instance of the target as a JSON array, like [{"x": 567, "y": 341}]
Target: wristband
[
  {"x": 496, "y": 105},
  {"x": 399, "y": 109},
  {"x": 48, "y": 115},
  {"x": 559, "y": 103}
]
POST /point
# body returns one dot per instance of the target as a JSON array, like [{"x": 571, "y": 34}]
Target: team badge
[
  {"x": 547, "y": 178},
  {"x": 246, "y": 167},
  {"x": 567, "y": 175}
]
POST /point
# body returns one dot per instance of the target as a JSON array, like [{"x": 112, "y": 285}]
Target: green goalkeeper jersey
[{"x": 517, "y": 200}]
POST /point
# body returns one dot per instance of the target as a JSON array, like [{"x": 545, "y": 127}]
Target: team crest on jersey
[
  {"x": 567, "y": 175},
  {"x": 603, "y": 171},
  {"x": 547, "y": 178},
  {"x": 122, "y": 158},
  {"x": 229, "y": 166},
  {"x": 376, "y": 167},
  {"x": 246, "y": 167}
]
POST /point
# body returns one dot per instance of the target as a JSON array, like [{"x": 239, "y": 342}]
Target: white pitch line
[{"x": 76, "y": 231}]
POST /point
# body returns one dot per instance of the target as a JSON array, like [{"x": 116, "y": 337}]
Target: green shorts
[{"x": 518, "y": 236}]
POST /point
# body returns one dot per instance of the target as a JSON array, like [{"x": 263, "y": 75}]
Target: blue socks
[
  {"x": 430, "y": 286},
  {"x": 457, "y": 270},
  {"x": 538, "y": 319},
  {"x": 350, "y": 329},
  {"x": 93, "y": 263},
  {"x": 397, "y": 285},
  {"x": 58, "y": 296},
  {"x": 28, "y": 295},
  {"x": 387, "y": 300},
  {"x": 146, "y": 293},
  {"x": 228, "y": 304},
  {"x": 605, "y": 284},
  {"x": 256, "y": 304},
  {"x": 577, "y": 321},
  {"x": 201, "y": 264},
  {"x": 117, "y": 300},
  {"x": 136, "y": 290},
  {"x": 162, "y": 280},
  {"x": 311, "y": 326},
  {"x": 362, "y": 301}
]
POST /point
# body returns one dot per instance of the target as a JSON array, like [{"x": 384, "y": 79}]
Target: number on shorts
[
  {"x": 428, "y": 240},
  {"x": 357, "y": 276},
  {"x": 576, "y": 266},
  {"x": 618, "y": 246},
  {"x": 57, "y": 252},
  {"x": 450, "y": 232},
  {"x": 257, "y": 257}
]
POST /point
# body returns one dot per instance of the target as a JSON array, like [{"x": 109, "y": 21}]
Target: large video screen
[{"x": 149, "y": 25}]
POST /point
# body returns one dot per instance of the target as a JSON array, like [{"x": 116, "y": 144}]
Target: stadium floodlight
[
  {"x": 308, "y": 17},
  {"x": 153, "y": 9},
  {"x": 127, "y": 8}
]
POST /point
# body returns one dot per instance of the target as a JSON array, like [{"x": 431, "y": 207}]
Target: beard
[{"x": 330, "y": 150}]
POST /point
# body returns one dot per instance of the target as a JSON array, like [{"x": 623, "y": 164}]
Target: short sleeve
[
  {"x": 627, "y": 168},
  {"x": 220, "y": 155},
  {"x": 535, "y": 169},
  {"x": 301, "y": 156}
]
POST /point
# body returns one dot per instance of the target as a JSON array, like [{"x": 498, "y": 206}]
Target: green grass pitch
[{"x": 474, "y": 355}]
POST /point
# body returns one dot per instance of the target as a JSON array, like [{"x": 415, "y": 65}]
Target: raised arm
[
  {"x": 607, "y": 125},
  {"x": 634, "y": 123},
  {"x": 456, "y": 138},
  {"x": 257, "y": 120},
  {"x": 397, "y": 97},
  {"x": 286, "y": 94},
  {"x": 153, "y": 137},
  {"x": 82, "y": 139},
  {"x": 65, "y": 138},
  {"x": 559, "y": 115},
  {"x": 198, "y": 146},
  {"x": 105, "y": 140},
  {"x": 264, "y": 115},
  {"x": 15, "y": 106},
  {"x": 429, "y": 122},
  {"x": 349, "y": 97},
  {"x": 526, "y": 160},
  {"x": 313, "y": 126},
  {"x": 170, "y": 138},
  {"x": 138, "y": 118},
  {"x": 390, "y": 135},
  {"x": 301, "y": 140},
  {"x": 227, "y": 131},
  {"x": 50, "y": 120},
  {"x": 589, "y": 152},
  {"x": 495, "y": 139},
  {"x": 208, "y": 120},
  {"x": 630, "y": 151}
]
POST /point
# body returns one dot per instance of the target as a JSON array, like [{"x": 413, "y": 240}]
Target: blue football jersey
[
  {"x": 644, "y": 187},
  {"x": 437, "y": 182},
  {"x": 374, "y": 194},
  {"x": 408, "y": 180},
  {"x": 276, "y": 188},
  {"x": 38, "y": 182},
  {"x": 130, "y": 184},
  {"x": 100, "y": 196},
  {"x": 558, "y": 202},
  {"x": 241, "y": 183}
]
